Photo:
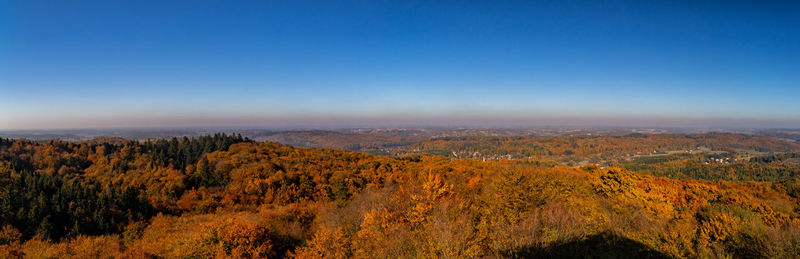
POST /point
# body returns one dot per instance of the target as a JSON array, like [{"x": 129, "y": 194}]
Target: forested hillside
[
  {"x": 594, "y": 148},
  {"x": 227, "y": 196}
]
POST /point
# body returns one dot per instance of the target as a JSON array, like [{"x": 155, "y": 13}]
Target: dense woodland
[{"x": 226, "y": 196}]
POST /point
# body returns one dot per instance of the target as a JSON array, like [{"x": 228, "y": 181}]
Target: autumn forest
[
  {"x": 715, "y": 195},
  {"x": 399, "y": 129}
]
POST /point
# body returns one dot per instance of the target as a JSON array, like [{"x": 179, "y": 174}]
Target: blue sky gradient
[{"x": 75, "y": 64}]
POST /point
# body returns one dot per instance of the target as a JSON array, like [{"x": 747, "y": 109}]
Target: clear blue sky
[{"x": 73, "y": 64}]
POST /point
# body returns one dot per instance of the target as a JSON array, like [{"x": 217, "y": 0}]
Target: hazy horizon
[
  {"x": 396, "y": 121},
  {"x": 109, "y": 64}
]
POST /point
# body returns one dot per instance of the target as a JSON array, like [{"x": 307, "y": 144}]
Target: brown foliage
[{"x": 269, "y": 200}]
